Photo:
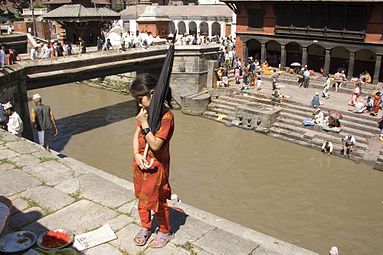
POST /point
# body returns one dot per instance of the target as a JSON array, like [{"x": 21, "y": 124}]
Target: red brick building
[{"x": 328, "y": 34}]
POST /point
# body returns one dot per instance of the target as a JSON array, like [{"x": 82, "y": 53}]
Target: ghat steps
[{"x": 288, "y": 125}]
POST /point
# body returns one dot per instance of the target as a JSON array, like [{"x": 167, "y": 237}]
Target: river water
[{"x": 275, "y": 187}]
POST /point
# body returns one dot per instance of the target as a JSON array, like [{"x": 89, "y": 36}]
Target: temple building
[
  {"x": 330, "y": 34},
  {"x": 69, "y": 22},
  {"x": 208, "y": 20}
]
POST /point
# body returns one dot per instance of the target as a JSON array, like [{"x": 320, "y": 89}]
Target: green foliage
[
  {"x": 39, "y": 5},
  {"x": 119, "y": 7}
]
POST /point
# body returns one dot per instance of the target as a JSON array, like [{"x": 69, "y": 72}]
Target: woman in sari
[
  {"x": 355, "y": 95},
  {"x": 376, "y": 104}
]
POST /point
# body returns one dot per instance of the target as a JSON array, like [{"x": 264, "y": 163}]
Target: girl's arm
[
  {"x": 155, "y": 143},
  {"x": 139, "y": 159},
  {"x": 135, "y": 141}
]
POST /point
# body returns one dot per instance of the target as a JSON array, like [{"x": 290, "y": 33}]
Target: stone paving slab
[
  {"x": 8, "y": 137},
  {"x": 79, "y": 217},
  {"x": 103, "y": 191},
  {"x": 24, "y": 160},
  {"x": 218, "y": 241},
  {"x": 14, "y": 181},
  {"x": 6, "y": 166},
  {"x": 18, "y": 205},
  {"x": 22, "y": 147},
  {"x": 103, "y": 249},
  {"x": 120, "y": 222},
  {"x": 169, "y": 249},
  {"x": 7, "y": 154},
  {"x": 128, "y": 207},
  {"x": 50, "y": 172},
  {"x": 69, "y": 186},
  {"x": 48, "y": 198},
  {"x": 124, "y": 241}
]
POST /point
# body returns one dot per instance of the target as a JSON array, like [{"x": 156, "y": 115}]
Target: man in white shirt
[
  {"x": 5, "y": 211},
  {"x": 348, "y": 145},
  {"x": 327, "y": 148},
  {"x": 15, "y": 124}
]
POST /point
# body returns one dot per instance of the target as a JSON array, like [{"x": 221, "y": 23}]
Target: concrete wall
[{"x": 13, "y": 89}]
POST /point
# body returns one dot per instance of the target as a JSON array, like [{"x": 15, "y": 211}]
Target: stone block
[
  {"x": 169, "y": 249},
  {"x": 7, "y": 154},
  {"x": 43, "y": 154},
  {"x": 22, "y": 146},
  {"x": 103, "y": 191},
  {"x": 187, "y": 229},
  {"x": 218, "y": 241},
  {"x": 24, "y": 160},
  {"x": 129, "y": 207},
  {"x": 124, "y": 241},
  {"x": 14, "y": 181},
  {"x": 69, "y": 186},
  {"x": 48, "y": 198},
  {"x": 103, "y": 249},
  {"x": 6, "y": 166},
  {"x": 26, "y": 217},
  {"x": 50, "y": 172},
  {"x": 78, "y": 218},
  {"x": 8, "y": 137},
  {"x": 119, "y": 222}
]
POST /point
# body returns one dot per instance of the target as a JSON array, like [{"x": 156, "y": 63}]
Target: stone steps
[
  {"x": 298, "y": 124},
  {"x": 347, "y": 127},
  {"x": 290, "y": 134}
]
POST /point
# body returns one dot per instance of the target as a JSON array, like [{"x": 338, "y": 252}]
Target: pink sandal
[
  {"x": 143, "y": 237},
  {"x": 161, "y": 240}
]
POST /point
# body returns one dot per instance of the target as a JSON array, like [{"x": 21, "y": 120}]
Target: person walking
[
  {"x": 43, "y": 120},
  {"x": 3, "y": 58},
  {"x": 15, "y": 123},
  {"x": 306, "y": 78},
  {"x": 151, "y": 183}
]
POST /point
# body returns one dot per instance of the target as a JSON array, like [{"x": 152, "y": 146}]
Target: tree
[{"x": 17, "y": 5}]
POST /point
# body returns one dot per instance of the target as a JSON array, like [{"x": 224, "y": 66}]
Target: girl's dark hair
[{"x": 144, "y": 83}]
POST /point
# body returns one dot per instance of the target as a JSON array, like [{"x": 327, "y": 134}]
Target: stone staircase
[{"x": 288, "y": 126}]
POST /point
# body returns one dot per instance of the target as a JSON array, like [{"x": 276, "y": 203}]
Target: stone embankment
[
  {"x": 289, "y": 124},
  {"x": 50, "y": 190}
]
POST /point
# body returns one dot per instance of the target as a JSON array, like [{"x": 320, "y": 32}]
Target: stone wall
[
  {"x": 17, "y": 41},
  {"x": 190, "y": 69},
  {"x": 13, "y": 88}
]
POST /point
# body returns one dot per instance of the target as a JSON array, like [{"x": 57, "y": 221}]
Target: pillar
[
  {"x": 327, "y": 62},
  {"x": 198, "y": 23},
  {"x": 176, "y": 25},
  {"x": 187, "y": 26},
  {"x": 304, "y": 56},
  {"x": 223, "y": 29},
  {"x": 245, "y": 52},
  {"x": 350, "y": 70},
  {"x": 263, "y": 52},
  {"x": 377, "y": 69},
  {"x": 283, "y": 56},
  {"x": 209, "y": 28}
]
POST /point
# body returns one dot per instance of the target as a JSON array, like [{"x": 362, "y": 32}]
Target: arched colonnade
[
  {"x": 206, "y": 28},
  {"x": 316, "y": 56}
]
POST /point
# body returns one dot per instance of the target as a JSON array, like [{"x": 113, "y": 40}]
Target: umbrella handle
[{"x": 145, "y": 154}]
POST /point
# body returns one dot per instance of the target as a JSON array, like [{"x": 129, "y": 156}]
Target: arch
[
  {"x": 204, "y": 28},
  {"x": 316, "y": 56},
  {"x": 273, "y": 53},
  {"x": 253, "y": 49},
  {"x": 293, "y": 53},
  {"x": 192, "y": 28},
  {"x": 181, "y": 28},
  {"x": 339, "y": 59},
  {"x": 216, "y": 29},
  {"x": 364, "y": 61},
  {"x": 172, "y": 27}
]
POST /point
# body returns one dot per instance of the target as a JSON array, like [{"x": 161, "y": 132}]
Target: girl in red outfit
[{"x": 151, "y": 183}]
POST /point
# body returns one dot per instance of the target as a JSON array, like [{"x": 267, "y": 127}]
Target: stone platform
[{"x": 50, "y": 190}]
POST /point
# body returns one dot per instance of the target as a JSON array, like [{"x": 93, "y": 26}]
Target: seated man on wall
[{"x": 5, "y": 212}]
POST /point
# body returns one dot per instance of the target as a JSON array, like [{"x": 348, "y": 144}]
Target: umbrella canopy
[
  {"x": 157, "y": 108},
  {"x": 295, "y": 64},
  {"x": 335, "y": 114}
]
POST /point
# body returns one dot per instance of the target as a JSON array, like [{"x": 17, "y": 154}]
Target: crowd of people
[{"x": 8, "y": 57}]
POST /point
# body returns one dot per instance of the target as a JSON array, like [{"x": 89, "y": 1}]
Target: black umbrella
[{"x": 157, "y": 108}]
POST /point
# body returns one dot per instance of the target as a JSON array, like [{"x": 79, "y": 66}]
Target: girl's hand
[
  {"x": 140, "y": 161},
  {"x": 142, "y": 116}
]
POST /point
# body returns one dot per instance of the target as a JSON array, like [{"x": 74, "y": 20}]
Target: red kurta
[{"x": 151, "y": 186}]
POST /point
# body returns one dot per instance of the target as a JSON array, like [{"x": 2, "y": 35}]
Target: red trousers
[{"x": 163, "y": 217}]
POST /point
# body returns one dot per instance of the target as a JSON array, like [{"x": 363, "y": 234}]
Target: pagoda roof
[{"x": 79, "y": 12}]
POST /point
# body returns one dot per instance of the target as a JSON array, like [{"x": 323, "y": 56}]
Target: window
[
  {"x": 255, "y": 18},
  {"x": 283, "y": 15}
]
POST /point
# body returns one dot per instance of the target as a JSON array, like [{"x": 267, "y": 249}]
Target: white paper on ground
[{"x": 93, "y": 238}]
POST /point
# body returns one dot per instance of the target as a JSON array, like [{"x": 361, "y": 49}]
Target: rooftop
[{"x": 77, "y": 11}]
